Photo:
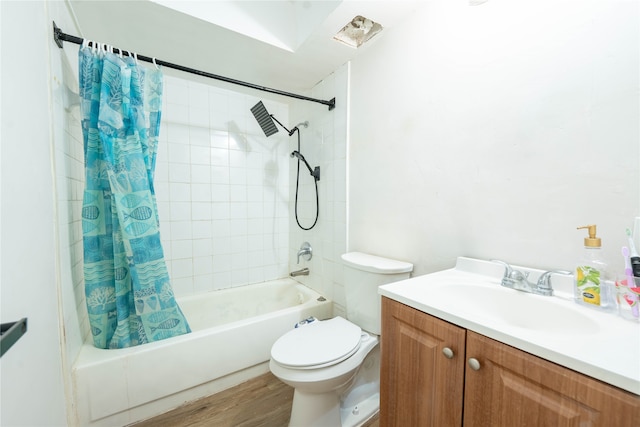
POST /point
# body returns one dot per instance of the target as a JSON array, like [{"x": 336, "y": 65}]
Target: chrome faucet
[
  {"x": 514, "y": 279},
  {"x": 544, "y": 281},
  {"x": 518, "y": 280},
  {"x": 305, "y": 250}
]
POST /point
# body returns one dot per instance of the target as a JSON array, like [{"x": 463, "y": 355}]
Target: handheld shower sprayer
[
  {"x": 315, "y": 173},
  {"x": 267, "y": 123}
]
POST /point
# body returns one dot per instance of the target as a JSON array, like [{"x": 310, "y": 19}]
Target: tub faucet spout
[{"x": 303, "y": 272}]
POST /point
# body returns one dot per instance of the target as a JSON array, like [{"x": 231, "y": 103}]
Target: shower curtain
[{"x": 129, "y": 297}]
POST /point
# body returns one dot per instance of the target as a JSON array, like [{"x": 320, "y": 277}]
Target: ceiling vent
[{"x": 358, "y": 31}]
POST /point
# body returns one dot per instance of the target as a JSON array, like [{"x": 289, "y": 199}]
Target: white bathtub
[{"x": 233, "y": 331}]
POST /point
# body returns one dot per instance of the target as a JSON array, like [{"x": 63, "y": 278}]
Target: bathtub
[{"x": 232, "y": 334}]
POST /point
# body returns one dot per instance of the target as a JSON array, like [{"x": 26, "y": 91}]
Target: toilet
[{"x": 334, "y": 364}]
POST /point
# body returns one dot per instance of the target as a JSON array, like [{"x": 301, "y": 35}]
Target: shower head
[{"x": 265, "y": 120}]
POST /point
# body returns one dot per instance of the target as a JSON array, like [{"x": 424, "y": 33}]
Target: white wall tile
[
  {"x": 202, "y": 192},
  {"x": 179, "y": 172},
  {"x": 200, "y": 155},
  {"x": 212, "y": 188},
  {"x": 177, "y": 113},
  {"x": 180, "y": 211},
  {"x": 203, "y": 246},
  {"x": 180, "y": 192},
  {"x": 220, "y": 211},
  {"x": 221, "y": 228},
  {"x": 181, "y": 230},
  {"x": 219, "y": 139},
  {"x": 199, "y": 117},
  {"x": 219, "y": 175},
  {"x": 181, "y": 249},
  {"x": 201, "y": 174},
  {"x": 222, "y": 280},
  {"x": 218, "y": 157},
  {"x": 238, "y": 176},
  {"x": 178, "y": 153},
  {"x": 238, "y": 193},
  {"x": 198, "y": 96},
  {"x": 177, "y": 133},
  {"x": 182, "y": 268},
  {"x": 201, "y": 229},
  {"x": 221, "y": 263},
  {"x": 199, "y": 135},
  {"x": 201, "y": 211},
  {"x": 203, "y": 283},
  {"x": 202, "y": 265}
]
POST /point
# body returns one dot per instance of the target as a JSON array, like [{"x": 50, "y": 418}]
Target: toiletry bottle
[{"x": 591, "y": 273}]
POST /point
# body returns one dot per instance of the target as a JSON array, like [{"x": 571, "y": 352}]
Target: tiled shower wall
[
  {"x": 222, "y": 189},
  {"x": 324, "y": 143}
]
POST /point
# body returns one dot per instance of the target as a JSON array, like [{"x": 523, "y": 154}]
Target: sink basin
[
  {"x": 597, "y": 343},
  {"x": 521, "y": 309}
]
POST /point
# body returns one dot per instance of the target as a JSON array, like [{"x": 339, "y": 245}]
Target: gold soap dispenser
[{"x": 591, "y": 277}]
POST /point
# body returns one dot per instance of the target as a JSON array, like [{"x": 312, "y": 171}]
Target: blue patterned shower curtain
[{"x": 129, "y": 296}]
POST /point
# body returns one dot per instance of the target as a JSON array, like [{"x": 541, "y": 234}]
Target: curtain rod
[{"x": 60, "y": 37}]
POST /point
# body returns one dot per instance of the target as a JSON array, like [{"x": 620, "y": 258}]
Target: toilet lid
[{"x": 317, "y": 344}]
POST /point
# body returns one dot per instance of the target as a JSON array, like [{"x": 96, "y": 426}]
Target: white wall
[
  {"x": 494, "y": 131},
  {"x": 33, "y": 389}
]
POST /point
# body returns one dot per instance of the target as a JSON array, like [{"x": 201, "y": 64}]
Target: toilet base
[
  {"x": 323, "y": 410},
  {"x": 355, "y": 416},
  {"x": 350, "y": 405},
  {"x": 315, "y": 409}
]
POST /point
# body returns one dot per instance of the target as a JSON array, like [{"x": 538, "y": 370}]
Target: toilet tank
[{"x": 363, "y": 273}]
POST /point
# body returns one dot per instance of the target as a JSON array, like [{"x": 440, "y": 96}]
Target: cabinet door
[
  {"x": 514, "y": 388},
  {"x": 419, "y": 385}
]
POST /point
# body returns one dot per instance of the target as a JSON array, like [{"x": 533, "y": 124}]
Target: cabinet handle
[
  {"x": 448, "y": 353},
  {"x": 474, "y": 364}
]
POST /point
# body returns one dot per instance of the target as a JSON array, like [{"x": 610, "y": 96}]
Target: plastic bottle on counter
[{"x": 591, "y": 286}]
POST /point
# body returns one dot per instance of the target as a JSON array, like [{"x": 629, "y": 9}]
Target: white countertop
[{"x": 608, "y": 349}]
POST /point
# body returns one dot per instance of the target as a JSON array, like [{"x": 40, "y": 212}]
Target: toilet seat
[{"x": 318, "y": 344}]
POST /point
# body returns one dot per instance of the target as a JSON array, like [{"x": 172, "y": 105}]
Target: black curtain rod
[{"x": 60, "y": 37}]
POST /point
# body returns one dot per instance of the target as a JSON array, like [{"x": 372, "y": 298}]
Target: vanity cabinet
[
  {"x": 434, "y": 373},
  {"x": 419, "y": 385}
]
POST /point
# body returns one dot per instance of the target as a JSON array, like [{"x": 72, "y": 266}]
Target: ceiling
[{"x": 286, "y": 45}]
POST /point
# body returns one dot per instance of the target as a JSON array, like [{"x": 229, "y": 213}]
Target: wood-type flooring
[{"x": 264, "y": 401}]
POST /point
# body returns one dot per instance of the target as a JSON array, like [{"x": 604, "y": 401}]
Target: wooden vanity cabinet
[{"x": 420, "y": 386}]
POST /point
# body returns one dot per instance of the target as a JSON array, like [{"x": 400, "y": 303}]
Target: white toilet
[{"x": 334, "y": 364}]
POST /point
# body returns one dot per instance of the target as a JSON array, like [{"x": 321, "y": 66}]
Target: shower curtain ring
[{"x": 154, "y": 63}]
